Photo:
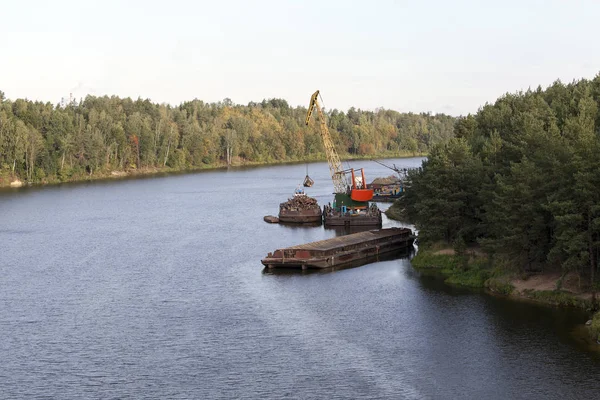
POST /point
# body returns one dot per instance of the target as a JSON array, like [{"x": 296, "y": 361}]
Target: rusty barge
[
  {"x": 300, "y": 216},
  {"x": 300, "y": 209},
  {"x": 341, "y": 251},
  {"x": 347, "y": 217}
]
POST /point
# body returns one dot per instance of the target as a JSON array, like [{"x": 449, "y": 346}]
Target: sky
[{"x": 421, "y": 56}]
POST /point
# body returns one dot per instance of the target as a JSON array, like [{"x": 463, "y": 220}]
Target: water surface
[{"x": 153, "y": 288}]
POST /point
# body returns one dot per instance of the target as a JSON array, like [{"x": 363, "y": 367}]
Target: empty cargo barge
[{"x": 341, "y": 251}]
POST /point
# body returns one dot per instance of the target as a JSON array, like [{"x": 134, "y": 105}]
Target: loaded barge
[
  {"x": 300, "y": 209},
  {"x": 341, "y": 251}
]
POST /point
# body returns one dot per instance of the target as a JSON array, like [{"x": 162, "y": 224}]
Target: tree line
[
  {"x": 521, "y": 179},
  {"x": 42, "y": 142}
]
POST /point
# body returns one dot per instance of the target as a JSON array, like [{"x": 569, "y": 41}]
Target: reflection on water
[
  {"x": 295, "y": 226},
  {"x": 339, "y": 230},
  {"x": 581, "y": 335}
]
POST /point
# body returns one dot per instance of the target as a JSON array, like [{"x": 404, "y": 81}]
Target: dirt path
[
  {"x": 549, "y": 282},
  {"x": 537, "y": 282},
  {"x": 542, "y": 282}
]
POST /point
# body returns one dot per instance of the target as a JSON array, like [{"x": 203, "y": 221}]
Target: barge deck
[{"x": 341, "y": 251}]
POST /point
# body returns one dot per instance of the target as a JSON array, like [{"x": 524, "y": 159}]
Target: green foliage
[
  {"x": 395, "y": 211},
  {"x": 471, "y": 277},
  {"x": 595, "y": 327},
  {"x": 521, "y": 179},
  {"x": 499, "y": 285},
  {"x": 428, "y": 260},
  {"x": 41, "y": 142},
  {"x": 458, "y": 270},
  {"x": 460, "y": 247},
  {"x": 556, "y": 297},
  {"x": 465, "y": 127},
  {"x": 442, "y": 200}
]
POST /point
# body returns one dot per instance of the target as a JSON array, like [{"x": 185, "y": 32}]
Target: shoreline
[
  {"x": 548, "y": 289},
  {"x": 10, "y": 181},
  {"x": 471, "y": 271}
]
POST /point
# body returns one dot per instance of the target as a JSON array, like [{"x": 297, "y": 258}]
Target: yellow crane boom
[{"x": 335, "y": 165}]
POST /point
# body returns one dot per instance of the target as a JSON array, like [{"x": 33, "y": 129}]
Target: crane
[
  {"x": 394, "y": 168},
  {"x": 341, "y": 185}
]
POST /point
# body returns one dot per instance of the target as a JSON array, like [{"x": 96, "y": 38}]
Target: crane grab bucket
[{"x": 308, "y": 182}]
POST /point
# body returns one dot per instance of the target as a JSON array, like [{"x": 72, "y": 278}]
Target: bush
[
  {"x": 427, "y": 260},
  {"x": 395, "y": 211},
  {"x": 595, "y": 327},
  {"x": 472, "y": 277},
  {"x": 555, "y": 297},
  {"x": 499, "y": 285},
  {"x": 459, "y": 270}
]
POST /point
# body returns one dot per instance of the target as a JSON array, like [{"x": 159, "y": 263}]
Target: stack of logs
[
  {"x": 299, "y": 203},
  {"x": 390, "y": 180}
]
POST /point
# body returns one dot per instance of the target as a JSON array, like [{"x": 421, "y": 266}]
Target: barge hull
[
  {"x": 385, "y": 198},
  {"x": 369, "y": 217},
  {"x": 358, "y": 220},
  {"x": 341, "y": 251},
  {"x": 301, "y": 216}
]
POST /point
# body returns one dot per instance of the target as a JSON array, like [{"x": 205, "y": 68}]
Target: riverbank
[
  {"x": 473, "y": 270},
  {"x": 395, "y": 212},
  {"x": 8, "y": 179}
]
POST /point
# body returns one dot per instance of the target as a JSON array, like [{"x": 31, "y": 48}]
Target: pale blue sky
[{"x": 438, "y": 56}]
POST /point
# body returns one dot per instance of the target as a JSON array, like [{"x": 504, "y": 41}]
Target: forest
[
  {"x": 96, "y": 136},
  {"x": 520, "y": 181}
]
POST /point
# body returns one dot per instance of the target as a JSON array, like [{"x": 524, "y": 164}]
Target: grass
[
  {"x": 595, "y": 327},
  {"x": 474, "y": 273},
  {"x": 428, "y": 260},
  {"x": 472, "y": 277},
  {"x": 395, "y": 212},
  {"x": 500, "y": 285},
  {"x": 557, "y": 298}
]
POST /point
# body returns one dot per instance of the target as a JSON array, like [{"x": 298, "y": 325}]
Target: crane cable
[{"x": 322, "y": 101}]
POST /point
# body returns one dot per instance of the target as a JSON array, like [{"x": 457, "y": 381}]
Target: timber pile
[
  {"x": 299, "y": 203},
  {"x": 390, "y": 180}
]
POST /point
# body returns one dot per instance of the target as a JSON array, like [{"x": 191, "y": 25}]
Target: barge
[
  {"x": 386, "y": 192},
  {"x": 300, "y": 216},
  {"x": 350, "y": 217},
  {"x": 300, "y": 209},
  {"x": 357, "y": 248},
  {"x": 392, "y": 187}
]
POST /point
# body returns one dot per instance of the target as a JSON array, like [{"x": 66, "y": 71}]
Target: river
[{"x": 153, "y": 288}]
